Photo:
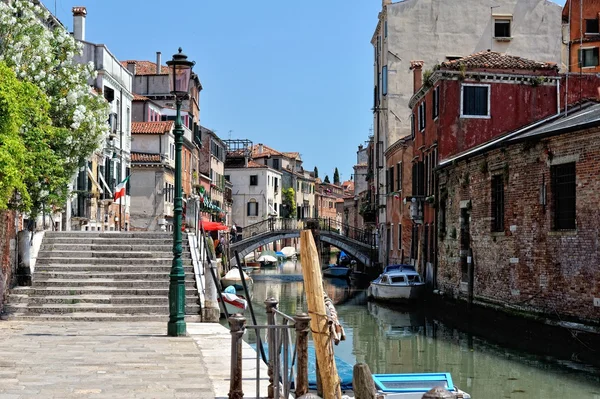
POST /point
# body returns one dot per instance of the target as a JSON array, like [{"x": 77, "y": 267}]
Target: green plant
[
  {"x": 427, "y": 83},
  {"x": 462, "y": 68},
  {"x": 537, "y": 81},
  {"x": 288, "y": 199}
]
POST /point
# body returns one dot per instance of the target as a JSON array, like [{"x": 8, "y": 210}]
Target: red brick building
[
  {"x": 525, "y": 209},
  {"x": 583, "y": 35}
]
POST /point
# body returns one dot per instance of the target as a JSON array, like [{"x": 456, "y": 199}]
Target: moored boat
[
  {"x": 233, "y": 303},
  {"x": 337, "y": 271},
  {"x": 414, "y": 386},
  {"x": 233, "y": 278},
  {"x": 397, "y": 283}
]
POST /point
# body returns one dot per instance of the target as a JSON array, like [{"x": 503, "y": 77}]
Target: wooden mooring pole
[
  {"x": 302, "y": 329},
  {"x": 319, "y": 323},
  {"x": 362, "y": 382}
]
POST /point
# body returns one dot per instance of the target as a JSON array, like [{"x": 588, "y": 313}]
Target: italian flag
[{"x": 120, "y": 190}]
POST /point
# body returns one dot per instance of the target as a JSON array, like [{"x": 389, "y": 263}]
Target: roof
[
  {"x": 151, "y": 127},
  {"x": 146, "y": 67},
  {"x": 137, "y": 97},
  {"x": 496, "y": 60},
  {"x": 584, "y": 118},
  {"x": 254, "y": 164},
  {"x": 144, "y": 157},
  {"x": 293, "y": 155},
  {"x": 269, "y": 151}
]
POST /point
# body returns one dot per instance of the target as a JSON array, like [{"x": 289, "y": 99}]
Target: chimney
[
  {"x": 385, "y": 3},
  {"x": 417, "y": 68},
  {"x": 79, "y": 14},
  {"x": 260, "y": 148},
  {"x": 131, "y": 67},
  {"x": 158, "y": 62}
]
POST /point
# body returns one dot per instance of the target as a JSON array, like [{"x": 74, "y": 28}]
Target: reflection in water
[{"x": 396, "y": 340}]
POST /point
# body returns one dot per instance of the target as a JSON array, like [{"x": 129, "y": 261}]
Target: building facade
[
  {"x": 212, "y": 164},
  {"x": 581, "y": 32}
]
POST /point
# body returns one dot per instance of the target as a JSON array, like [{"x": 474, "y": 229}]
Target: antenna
[{"x": 230, "y": 134}]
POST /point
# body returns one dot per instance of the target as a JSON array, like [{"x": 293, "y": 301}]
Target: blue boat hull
[{"x": 337, "y": 271}]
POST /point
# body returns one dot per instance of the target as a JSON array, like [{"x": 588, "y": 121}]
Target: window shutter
[{"x": 248, "y": 209}]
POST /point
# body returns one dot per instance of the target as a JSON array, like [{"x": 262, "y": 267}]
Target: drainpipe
[{"x": 558, "y": 96}]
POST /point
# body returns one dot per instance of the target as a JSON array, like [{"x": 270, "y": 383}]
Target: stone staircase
[{"x": 103, "y": 276}]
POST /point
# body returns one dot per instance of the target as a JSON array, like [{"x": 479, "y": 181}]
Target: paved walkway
[{"x": 117, "y": 360}]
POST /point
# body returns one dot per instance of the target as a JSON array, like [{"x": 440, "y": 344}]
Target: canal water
[{"x": 393, "y": 340}]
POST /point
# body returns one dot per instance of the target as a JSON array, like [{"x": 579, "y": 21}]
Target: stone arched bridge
[{"x": 357, "y": 243}]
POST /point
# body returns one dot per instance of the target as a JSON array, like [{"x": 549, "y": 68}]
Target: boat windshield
[
  {"x": 413, "y": 279},
  {"x": 397, "y": 279}
]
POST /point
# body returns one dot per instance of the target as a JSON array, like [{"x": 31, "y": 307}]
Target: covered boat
[
  {"x": 397, "y": 283},
  {"x": 233, "y": 278}
]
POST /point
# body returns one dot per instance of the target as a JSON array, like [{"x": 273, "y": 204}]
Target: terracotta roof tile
[
  {"x": 266, "y": 151},
  {"x": 144, "y": 157},
  {"x": 495, "y": 60},
  {"x": 254, "y": 164},
  {"x": 293, "y": 155},
  {"x": 146, "y": 67},
  {"x": 151, "y": 127}
]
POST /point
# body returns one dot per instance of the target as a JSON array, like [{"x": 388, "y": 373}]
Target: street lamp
[{"x": 180, "y": 70}]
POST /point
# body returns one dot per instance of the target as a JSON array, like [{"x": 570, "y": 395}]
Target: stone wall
[
  {"x": 7, "y": 252},
  {"x": 529, "y": 266}
]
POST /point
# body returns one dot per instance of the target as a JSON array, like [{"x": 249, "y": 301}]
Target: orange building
[{"x": 581, "y": 20}]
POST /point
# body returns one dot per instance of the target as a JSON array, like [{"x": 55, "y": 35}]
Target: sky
[{"x": 293, "y": 75}]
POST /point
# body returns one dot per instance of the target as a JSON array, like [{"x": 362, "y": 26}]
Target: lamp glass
[{"x": 179, "y": 78}]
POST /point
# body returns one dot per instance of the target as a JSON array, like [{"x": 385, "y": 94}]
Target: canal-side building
[
  {"x": 93, "y": 208},
  {"x": 212, "y": 164},
  {"x": 581, "y": 32},
  {"x": 435, "y": 31},
  {"x": 524, "y": 207}
]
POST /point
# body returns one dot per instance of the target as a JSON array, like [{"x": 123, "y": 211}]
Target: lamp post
[{"x": 180, "y": 70}]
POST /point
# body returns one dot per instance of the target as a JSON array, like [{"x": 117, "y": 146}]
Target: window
[
  {"x": 384, "y": 80},
  {"x": 384, "y": 28},
  {"x": 436, "y": 103},
  {"x": 502, "y": 28},
  {"x": 422, "y": 116},
  {"x": 254, "y": 180},
  {"x": 475, "y": 101},
  {"x": 588, "y": 57},
  {"x": 564, "y": 196},
  {"x": 252, "y": 208},
  {"x": 399, "y": 237},
  {"x": 276, "y": 180},
  {"x": 276, "y": 164},
  {"x": 412, "y": 125},
  {"x": 498, "y": 203},
  {"x": 591, "y": 26},
  {"x": 399, "y": 176},
  {"x": 228, "y": 177},
  {"x": 391, "y": 179}
]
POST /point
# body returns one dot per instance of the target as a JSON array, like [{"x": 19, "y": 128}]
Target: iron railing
[{"x": 287, "y": 348}]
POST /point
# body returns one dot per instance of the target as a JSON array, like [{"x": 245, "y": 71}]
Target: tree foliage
[
  {"x": 289, "y": 201},
  {"x": 336, "y": 177},
  {"x": 326, "y": 179},
  {"x": 316, "y": 172},
  {"x": 45, "y": 58}
]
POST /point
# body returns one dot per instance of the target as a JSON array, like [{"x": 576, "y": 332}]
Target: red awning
[{"x": 213, "y": 226}]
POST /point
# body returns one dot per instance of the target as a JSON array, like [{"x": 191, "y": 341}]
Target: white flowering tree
[{"x": 44, "y": 57}]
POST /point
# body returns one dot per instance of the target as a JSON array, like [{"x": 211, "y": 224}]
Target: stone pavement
[{"x": 117, "y": 360}]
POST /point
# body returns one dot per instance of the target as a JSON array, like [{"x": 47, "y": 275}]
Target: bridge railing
[{"x": 332, "y": 225}]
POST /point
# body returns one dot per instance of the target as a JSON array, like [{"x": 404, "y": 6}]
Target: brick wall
[
  {"x": 7, "y": 235},
  {"x": 528, "y": 265}
]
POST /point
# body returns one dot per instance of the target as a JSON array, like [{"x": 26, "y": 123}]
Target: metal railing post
[
  {"x": 270, "y": 305},
  {"x": 237, "y": 324},
  {"x": 302, "y": 329}
]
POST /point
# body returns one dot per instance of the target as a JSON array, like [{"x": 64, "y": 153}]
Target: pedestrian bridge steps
[{"x": 103, "y": 276}]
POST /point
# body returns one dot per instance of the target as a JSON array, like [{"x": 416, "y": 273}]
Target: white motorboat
[
  {"x": 289, "y": 252},
  {"x": 233, "y": 303},
  {"x": 233, "y": 278},
  {"x": 397, "y": 283}
]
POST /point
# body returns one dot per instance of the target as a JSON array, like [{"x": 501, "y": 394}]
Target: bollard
[
  {"x": 270, "y": 304},
  {"x": 302, "y": 329},
  {"x": 237, "y": 324},
  {"x": 362, "y": 382},
  {"x": 438, "y": 393}
]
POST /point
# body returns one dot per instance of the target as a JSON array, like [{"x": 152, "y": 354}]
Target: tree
[
  {"x": 326, "y": 179},
  {"x": 289, "y": 201},
  {"x": 316, "y": 172},
  {"x": 336, "y": 177},
  {"x": 44, "y": 57}
]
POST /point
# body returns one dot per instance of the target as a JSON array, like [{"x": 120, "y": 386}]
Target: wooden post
[
  {"x": 437, "y": 393},
  {"x": 362, "y": 382},
  {"x": 270, "y": 304},
  {"x": 302, "y": 329},
  {"x": 315, "y": 297},
  {"x": 237, "y": 324}
]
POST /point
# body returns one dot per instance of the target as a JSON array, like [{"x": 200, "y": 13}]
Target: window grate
[
  {"x": 497, "y": 203},
  {"x": 564, "y": 195}
]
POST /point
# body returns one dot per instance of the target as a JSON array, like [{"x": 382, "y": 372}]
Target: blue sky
[{"x": 294, "y": 75}]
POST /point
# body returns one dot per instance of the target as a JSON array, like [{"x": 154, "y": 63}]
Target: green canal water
[{"x": 392, "y": 340}]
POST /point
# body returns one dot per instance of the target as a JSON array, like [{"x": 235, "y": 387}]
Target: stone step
[
  {"x": 96, "y": 298},
  {"x": 109, "y": 241},
  {"x": 95, "y": 308},
  {"x": 108, "y": 254},
  {"x": 93, "y": 316},
  {"x": 150, "y": 276},
  {"x": 98, "y": 290},
  {"x": 101, "y": 261},
  {"x": 107, "y": 234},
  {"x": 121, "y": 247},
  {"x": 109, "y": 268},
  {"x": 104, "y": 282}
]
